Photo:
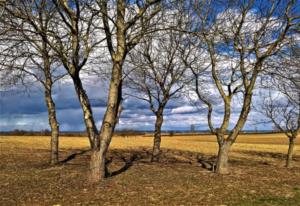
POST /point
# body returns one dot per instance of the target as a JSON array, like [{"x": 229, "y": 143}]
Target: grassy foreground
[{"x": 257, "y": 177}]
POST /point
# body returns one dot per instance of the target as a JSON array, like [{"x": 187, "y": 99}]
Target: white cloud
[{"x": 183, "y": 109}]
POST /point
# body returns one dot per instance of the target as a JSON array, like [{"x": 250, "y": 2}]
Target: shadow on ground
[
  {"x": 73, "y": 156},
  {"x": 180, "y": 178},
  {"x": 275, "y": 155},
  {"x": 120, "y": 160}
]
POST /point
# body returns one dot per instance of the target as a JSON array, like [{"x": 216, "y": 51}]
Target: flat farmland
[{"x": 257, "y": 173}]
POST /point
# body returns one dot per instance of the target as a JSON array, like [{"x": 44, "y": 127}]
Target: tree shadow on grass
[
  {"x": 262, "y": 158},
  {"x": 120, "y": 160},
  {"x": 73, "y": 156},
  {"x": 127, "y": 164},
  {"x": 275, "y": 155}
]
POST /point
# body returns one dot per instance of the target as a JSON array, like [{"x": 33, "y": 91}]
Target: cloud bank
[{"x": 27, "y": 111}]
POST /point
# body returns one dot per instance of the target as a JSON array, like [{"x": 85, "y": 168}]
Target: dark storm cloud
[
  {"x": 22, "y": 103},
  {"x": 27, "y": 110},
  {"x": 66, "y": 98},
  {"x": 10, "y": 122}
]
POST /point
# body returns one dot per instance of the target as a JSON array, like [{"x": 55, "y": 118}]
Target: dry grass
[
  {"x": 202, "y": 143},
  {"x": 257, "y": 178}
]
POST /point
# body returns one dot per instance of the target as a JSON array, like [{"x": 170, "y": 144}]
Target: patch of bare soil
[{"x": 180, "y": 178}]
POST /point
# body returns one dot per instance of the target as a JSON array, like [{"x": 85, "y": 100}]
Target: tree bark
[
  {"x": 97, "y": 164},
  {"x": 289, "y": 157},
  {"x": 54, "y": 142},
  {"x": 222, "y": 159},
  {"x": 91, "y": 128},
  {"x": 157, "y": 137}
]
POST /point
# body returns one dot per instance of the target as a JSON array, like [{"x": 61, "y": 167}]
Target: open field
[{"x": 257, "y": 177}]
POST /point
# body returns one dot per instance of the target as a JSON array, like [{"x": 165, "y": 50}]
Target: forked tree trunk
[
  {"x": 98, "y": 167},
  {"x": 289, "y": 157},
  {"x": 97, "y": 163},
  {"x": 157, "y": 137},
  {"x": 222, "y": 159},
  {"x": 54, "y": 142},
  {"x": 87, "y": 112}
]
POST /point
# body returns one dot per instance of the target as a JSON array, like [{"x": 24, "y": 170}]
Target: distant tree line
[{"x": 126, "y": 133}]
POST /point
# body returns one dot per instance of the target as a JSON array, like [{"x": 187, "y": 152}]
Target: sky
[{"x": 26, "y": 110}]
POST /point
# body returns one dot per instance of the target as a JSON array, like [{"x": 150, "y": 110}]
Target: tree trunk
[
  {"x": 222, "y": 159},
  {"x": 97, "y": 165},
  {"x": 289, "y": 157},
  {"x": 157, "y": 137},
  {"x": 54, "y": 142},
  {"x": 91, "y": 128}
]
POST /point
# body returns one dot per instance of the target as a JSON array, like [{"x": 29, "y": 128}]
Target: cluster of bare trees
[{"x": 218, "y": 52}]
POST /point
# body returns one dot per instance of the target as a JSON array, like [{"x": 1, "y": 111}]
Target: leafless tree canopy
[
  {"x": 219, "y": 53},
  {"x": 238, "y": 41},
  {"x": 156, "y": 74},
  {"x": 282, "y": 104}
]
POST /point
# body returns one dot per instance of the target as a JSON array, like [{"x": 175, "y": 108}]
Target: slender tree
[
  {"x": 25, "y": 52},
  {"x": 157, "y": 75},
  {"x": 74, "y": 38},
  {"x": 282, "y": 105}
]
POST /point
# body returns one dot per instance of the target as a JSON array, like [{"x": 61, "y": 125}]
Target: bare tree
[
  {"x": 157, "y": 75},
  {"x": 238, "y": 41},
  {"x": 25, "y": 52},
  {"x": 125, "y": 23},
  {"x": 285, "y": 117},
  {"x": 74, "y": 38},
  {"x": 282, "y": 105}
]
